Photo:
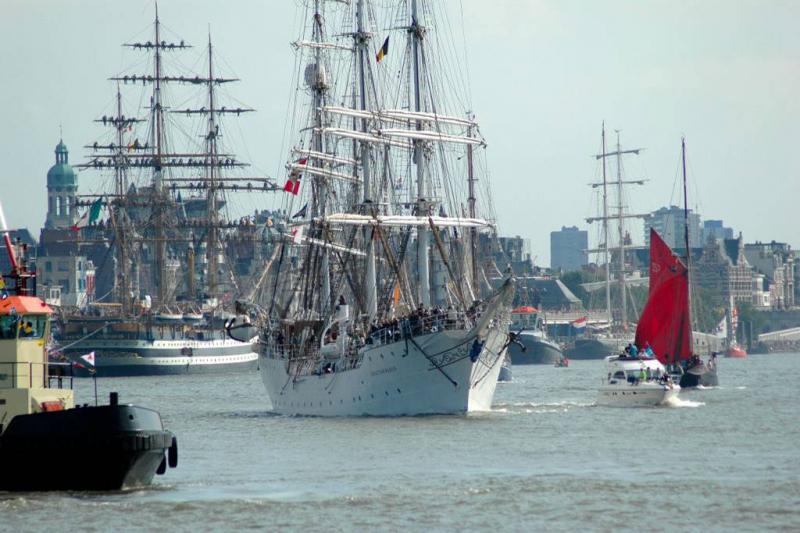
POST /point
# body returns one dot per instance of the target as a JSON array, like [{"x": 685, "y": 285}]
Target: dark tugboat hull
[
  {"x": 537, "y": 351},
  {"x": 706, "y": 378},
  {"x": 111, "y": 447}
]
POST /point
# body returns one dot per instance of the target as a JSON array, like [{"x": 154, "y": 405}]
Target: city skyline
[{"x": 543, "y": 76}]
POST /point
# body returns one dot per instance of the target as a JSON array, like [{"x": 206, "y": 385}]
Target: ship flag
[
  {"x": 90, "y": 216},
  {"x": 89, "y": 358},
  {"x": 383, "y": 50},
  {"x": 302, "y": 212},
  {"x": 580, "y": 323}
]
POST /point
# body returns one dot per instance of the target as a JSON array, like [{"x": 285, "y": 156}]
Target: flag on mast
[
  {"x": 89, "y": 358},
  {"x": 90, "y": 216},
  {"x": 383, "y": 50}
]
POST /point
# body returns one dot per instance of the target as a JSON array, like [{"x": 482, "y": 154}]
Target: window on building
[
  {"x": 58, "y": 206},
  {"x": 48, "y": 266},
  {"x": 63, "y": 266}
]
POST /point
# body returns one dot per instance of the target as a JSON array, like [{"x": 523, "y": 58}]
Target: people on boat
[{"x": 648, "y": 350}]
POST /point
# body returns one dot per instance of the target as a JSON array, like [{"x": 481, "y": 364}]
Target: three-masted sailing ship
[
  {"x": 173, "y": 290},
  {"x": 377, "y": 303},
  {"x": 616, "y": 335}
]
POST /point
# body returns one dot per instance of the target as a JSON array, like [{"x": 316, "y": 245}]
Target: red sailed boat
[{"x": 666, "y": 321}]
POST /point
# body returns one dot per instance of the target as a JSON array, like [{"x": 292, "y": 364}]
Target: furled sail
[{"x": 665, "y": 322}]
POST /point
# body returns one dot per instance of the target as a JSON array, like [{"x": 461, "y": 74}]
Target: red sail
[{"x": 665, "y": 322}]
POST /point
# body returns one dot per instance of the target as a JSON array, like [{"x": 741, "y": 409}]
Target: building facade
[
  {"x": 668, "y": 222},
  {"x": 568, "y": 249},
  {"x": 716, "y": 229},
  {"x": 775, "y": 260},
  {"x": 723, "y": 270}
]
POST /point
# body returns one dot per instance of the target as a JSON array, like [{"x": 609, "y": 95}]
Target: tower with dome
[{"x": 62, "y": 190}]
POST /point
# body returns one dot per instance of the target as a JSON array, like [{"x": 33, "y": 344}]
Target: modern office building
[{"x": 568, "y": 248}]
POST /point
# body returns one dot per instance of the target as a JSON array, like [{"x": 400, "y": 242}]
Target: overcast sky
[{"x": 543, "y": 76}]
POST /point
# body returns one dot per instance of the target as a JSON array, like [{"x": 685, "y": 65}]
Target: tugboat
[{"x": 111, "y": 447}]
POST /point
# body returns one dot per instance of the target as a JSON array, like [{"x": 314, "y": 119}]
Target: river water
[{"x": 545, "y": 458}]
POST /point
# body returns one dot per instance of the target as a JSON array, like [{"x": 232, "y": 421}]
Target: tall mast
[
  {"x": 161, "y": 245},
  {"x": 621, "y": 231},
  {"x": 120, "y": 223},
  {"x": 211, "y": 193},
  {"x": 370, "y": 282},
  {"x": 423, "y": 233},
  {"x": 473, "y": 232},
  {"x": 605, "y": 230},
  {"x": 319, "y": 88},
  {"x": 686, "y": 240}
]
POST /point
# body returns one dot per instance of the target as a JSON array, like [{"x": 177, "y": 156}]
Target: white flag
[{"x": 89, "y": 358}]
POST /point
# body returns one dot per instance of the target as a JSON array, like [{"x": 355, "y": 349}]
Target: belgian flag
[{"x": 383, "y": 51}]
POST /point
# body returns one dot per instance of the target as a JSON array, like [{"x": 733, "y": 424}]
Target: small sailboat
[{"x": 666, "y": 323}]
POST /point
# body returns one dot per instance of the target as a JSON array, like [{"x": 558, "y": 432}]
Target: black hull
[
  {"x": 589, "y": 349},
  {"x": 536, "y": 352},
  {"x": 707, "y": 378},
  {"x": 111, "y": 447}
]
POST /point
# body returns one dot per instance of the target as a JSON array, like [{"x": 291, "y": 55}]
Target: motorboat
[{"x": 636, "y": 382}]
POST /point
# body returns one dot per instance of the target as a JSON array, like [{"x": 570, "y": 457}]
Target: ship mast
[
  {"x": 473, "y": 232},
  {"x": 160, "y": 244},
  {"x": 686, "y": 240},
  {"x": 120, "y": 218},
  {"x": 211, "y": 191},
  {"x": 621, "y": 231},
  {"x": 605, "y": 230},
  {"x": 423, "y": 233},
  {"x": 319, "y": 90},
  {"x": 362, "y": 44},
  {"x": 620, "y": 217}
]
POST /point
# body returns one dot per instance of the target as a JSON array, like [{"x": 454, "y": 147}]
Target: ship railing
[
  {"x": 14, "y": 375},
  {"x": 413, "y": 326}
]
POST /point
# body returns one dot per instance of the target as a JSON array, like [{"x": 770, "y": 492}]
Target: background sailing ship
[
  {"x": 376, "y": 305},
  {"x": 167, "y": 230}
]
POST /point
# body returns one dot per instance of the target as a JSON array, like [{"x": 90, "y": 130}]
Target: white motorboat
[{"x": 636, "y": 382}]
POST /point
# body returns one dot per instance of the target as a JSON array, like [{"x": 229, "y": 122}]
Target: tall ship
[
  {"x": 379, "y": 305},
  {"x": 166, "y": 227},
  {"x": 598, "y": 343}
]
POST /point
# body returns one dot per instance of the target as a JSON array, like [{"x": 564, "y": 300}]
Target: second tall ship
[{"x": 166, "y": 231}]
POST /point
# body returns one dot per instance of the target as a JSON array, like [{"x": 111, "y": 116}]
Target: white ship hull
[
  {"x": 395, "y": 379},
  {"x": 642, "y": 395}
]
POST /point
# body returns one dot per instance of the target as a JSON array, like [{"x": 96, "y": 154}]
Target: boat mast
[
  {"x": 473, "y": 232},
  {"x": 621, "y": 231},
  {"x": 319, "y": 89},
  {"x": 423, "y": 233},
  {"x": 211, "y": 191},
  {"x": 605, "y": 230},
  {"x": 686, "y": 241},
  {"x": 120, "y": 223},
  {"x": 370, "y": 282},
  {"x": 161, "y": 281}
]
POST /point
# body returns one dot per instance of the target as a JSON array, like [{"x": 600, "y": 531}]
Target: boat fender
[
  {"x": 162, "y": 467},
  {"x": 172, "y": 454}
]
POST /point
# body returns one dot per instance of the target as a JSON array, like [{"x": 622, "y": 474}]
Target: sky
[{"x": 543, "y": 76}]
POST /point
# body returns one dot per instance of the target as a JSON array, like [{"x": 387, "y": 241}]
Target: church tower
[{"x": 62, "y": 189}]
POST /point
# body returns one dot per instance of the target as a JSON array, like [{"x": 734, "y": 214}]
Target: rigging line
[
  {"x": 70, "y": 345},
  {"x": 430, "y": 359},
  {"x": 443, "y": 255}
]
